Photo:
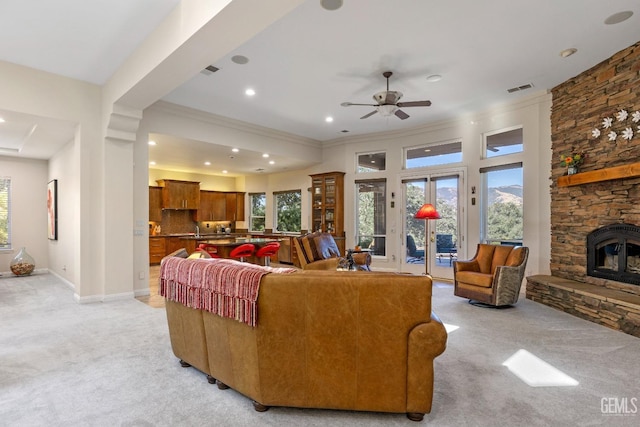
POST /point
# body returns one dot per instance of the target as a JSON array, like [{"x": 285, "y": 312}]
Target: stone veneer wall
[{"x": 579, "y": 106}]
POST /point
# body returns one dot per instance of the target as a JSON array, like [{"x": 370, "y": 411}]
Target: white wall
[
  {"x": 64, "y": 259},
  {"x": 29, "y": 180}
]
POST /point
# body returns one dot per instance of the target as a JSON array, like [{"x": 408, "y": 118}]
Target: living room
[{"x": 103, "y": 175}]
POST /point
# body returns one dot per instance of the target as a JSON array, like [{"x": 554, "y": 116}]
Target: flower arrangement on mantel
[{"x": 572, "y": 161}]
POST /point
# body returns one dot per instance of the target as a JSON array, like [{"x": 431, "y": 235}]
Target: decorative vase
[
  {"x": 572, "y": 170},
  {"x": 22, "y": 264}
]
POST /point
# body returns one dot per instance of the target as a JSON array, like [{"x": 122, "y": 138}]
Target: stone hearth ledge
[{"x": 613, "y": 308}]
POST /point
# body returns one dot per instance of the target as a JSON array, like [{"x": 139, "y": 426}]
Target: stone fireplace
[
  {"x": 613, "y": 252},
  {"x": 598, "y": 204}
]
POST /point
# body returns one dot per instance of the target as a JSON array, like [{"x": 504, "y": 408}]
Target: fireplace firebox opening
[{"x": 613, "y": 252}]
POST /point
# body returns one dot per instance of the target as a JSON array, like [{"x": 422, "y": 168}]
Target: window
[
  {"x": 371, "y": 162},
  {"x": 502, "y": 204},
  {"x": 258, "y": 203},
  {"x": 503, "y": 142},
  {"x": 5, "y": 213},
  {"x": 371, "y": 205},
  {"x": 431, "y": 155},
  {"x": 288, "y": 211}
]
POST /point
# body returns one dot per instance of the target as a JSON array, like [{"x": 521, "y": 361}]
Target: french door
[{"x": 431, "y": 246}]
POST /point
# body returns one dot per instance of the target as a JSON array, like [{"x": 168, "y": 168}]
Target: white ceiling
[{"x": 309, "y": 62}]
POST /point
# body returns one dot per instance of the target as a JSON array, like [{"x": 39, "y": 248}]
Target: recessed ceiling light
[
  {"x": 235, "y": 150},
  {"x": 619, "y": 17},
  {"x": 426, "y": 150},
  {"x": 207, "y": 163},
  {"x": 240, "y": 59},
  {"x": 328, "y": 119},
  {"x": 2, "y": 120},
  {"x": 224, "y": 171},
  {"x": 271, "y": 162},
  {"x": 249, "y": 92},
  {"x": 152, "y": 163},
  {"x": 568, "y": 52},
  {"x": 265, "y": 155},
  {"x": 434, "y": 78},
  {"x": 152, "y": 143},
  {"x": 331, "y": 4}
]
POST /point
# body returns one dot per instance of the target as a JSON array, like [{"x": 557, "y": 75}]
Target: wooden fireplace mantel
[{"x": 617, "y": 172}]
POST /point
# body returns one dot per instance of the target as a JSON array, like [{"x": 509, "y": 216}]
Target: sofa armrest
[{"x": 426, "y": 342}]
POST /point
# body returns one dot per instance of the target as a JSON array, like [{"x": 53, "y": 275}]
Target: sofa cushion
[
  {"x": 477, "y": 279},
  {"x": 317, "y": 246}
]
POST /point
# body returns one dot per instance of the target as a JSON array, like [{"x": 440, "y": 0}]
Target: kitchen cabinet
[
  {"x": 179, "y": 194},
  {"x": 220, "y": 206},
  {"x": 155, "y": 204},
  {"x": 327, "y": 203},
  {"x": 205, "y": 211},
  {"x": 157, "y": 249},
  {"x": 234, "y": 206}
]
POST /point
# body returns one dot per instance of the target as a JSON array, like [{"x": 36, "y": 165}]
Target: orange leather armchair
[{"x": 493, "y": 276}]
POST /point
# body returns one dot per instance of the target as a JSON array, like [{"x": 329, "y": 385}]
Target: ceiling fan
[{"x": 387, "y": 102}]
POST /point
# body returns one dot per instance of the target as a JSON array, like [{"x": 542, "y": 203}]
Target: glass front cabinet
[{"x": 327, "y": 203}]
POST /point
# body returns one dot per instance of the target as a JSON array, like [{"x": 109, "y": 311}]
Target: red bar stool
[
  {"x": 267, "y": 251},
  {"x": 243, "y": 251},
  {"x": 212, "y": 250}
]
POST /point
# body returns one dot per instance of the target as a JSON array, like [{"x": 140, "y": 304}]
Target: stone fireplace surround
[{"x": 579, "y": 106}]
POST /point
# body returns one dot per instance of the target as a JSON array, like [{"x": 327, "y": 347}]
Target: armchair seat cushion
[{"x": 475, "y": 278}]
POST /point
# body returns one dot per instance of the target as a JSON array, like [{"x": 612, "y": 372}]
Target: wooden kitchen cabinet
[
  {"x": 179, "y": 194},
  {"x": 327, "y": 203},
  {"x": 234, "y": 206},
  {"x": 206, "y": 210},
  {"x": 219, "y": 206},
  {"x": 157, "y": 249},
  {"x": 155, "y": 204}
]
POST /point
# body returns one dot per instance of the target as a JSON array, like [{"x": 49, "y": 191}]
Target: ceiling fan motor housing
[{"x": 387, "y": 97}]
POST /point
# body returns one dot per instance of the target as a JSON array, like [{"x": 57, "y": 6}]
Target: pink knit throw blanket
[{"x": 225, "y": 287}]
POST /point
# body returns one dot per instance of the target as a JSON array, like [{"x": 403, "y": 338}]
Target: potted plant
[{"x": 572, "y": 162}]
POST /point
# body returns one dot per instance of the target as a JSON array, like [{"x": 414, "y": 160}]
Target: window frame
[
  {"x": 276, "y": 215},
  {"x": 485, "y": 145},
  {"x": 252, "y": 216},
  {"x": 428, "y": 148},
  {"x": 376, "y": 236},
  {"x": 378, "y": 155},
  {"x": 5, "y": 214},
  {"x": 484, "y": 226}
]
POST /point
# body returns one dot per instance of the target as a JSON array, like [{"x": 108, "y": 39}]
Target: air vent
[
  {"x": 519, "y": 88},
  {"x": 209, "y": 70},
  {"x": 344, "y": 131}
]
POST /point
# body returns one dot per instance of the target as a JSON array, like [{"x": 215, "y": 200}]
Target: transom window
[
  {"x": 503, "y": 142},
  {"x": 371, "y": 162},
  {"x": 433, "y": 154}
]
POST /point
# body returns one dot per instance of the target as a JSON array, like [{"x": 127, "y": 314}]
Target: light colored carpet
[{"x": 110, "y": 364}]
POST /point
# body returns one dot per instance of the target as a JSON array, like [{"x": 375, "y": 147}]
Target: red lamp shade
[{"x": 427, "y": 211}]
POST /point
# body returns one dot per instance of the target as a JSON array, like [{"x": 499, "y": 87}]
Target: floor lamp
[{"x": 427, "y": 212}]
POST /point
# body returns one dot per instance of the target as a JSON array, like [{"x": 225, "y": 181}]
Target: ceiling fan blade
[
  {"x": 349, "y": 104},
  {"x": 414, "y": 104},
  {"x": 401, "y": 114},
  {"x": 369, "y": 115}
]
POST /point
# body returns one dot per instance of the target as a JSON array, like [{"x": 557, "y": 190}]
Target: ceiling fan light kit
[{"x": 387, "y": 102}]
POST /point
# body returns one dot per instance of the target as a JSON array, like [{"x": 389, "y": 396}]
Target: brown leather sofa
[
  {"x": 319, "y": 251},
  {"x": 493, "y": 276},
  {"x": 323, "y": 339}
]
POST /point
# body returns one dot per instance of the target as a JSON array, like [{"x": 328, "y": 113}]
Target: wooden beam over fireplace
[{"x": 617, "y": 172}]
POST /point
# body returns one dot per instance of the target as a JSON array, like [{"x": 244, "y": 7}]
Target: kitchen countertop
[{"x": 208, "y": 236}]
